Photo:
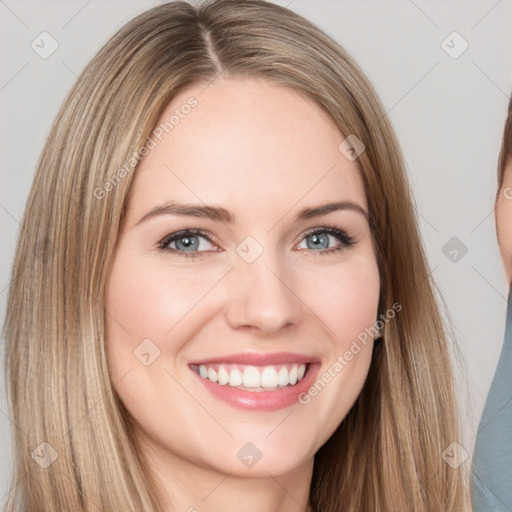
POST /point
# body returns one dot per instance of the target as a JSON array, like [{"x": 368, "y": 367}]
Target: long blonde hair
[{"x": 387, "y": 453}]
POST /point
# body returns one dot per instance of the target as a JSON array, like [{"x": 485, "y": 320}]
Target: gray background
[{"x": 448, "y": 113}]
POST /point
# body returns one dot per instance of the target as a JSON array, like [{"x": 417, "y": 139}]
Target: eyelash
[{"x": 345, "y": 239}]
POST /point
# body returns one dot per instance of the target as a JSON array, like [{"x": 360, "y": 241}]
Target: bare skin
[{"x": 264, "y": 153}]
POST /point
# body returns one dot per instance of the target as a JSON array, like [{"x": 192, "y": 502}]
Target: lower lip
[{"x": 261, "y": 400}]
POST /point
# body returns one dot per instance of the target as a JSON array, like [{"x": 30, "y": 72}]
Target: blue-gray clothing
[{"x": 492, "y": 459}]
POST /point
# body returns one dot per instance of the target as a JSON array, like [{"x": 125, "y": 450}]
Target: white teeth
[
  {"x": 282, "y": 377},
  {"x": 223, "y": 375},
  {"x": 212, "y": 375},
  {"x": 235, "y": 377},
  {"x": 268, "y": 377},
  {"x": 252, "y": 377},
  {"x": 293, "y": 375}
]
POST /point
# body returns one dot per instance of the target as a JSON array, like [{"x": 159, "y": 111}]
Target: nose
[{"x": 261, "y": 297}]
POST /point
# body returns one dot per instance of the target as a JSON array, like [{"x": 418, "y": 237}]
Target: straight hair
[{"x": 387, "y": 453}]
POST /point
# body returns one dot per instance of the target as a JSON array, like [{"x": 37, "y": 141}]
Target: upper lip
[{"x": 252, "y": 358}]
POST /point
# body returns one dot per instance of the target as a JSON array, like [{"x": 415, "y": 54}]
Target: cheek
[
  {"x": 504, "y": 227},
  {"x": 148, "y": 300},
  {"x": 149, "y": 311},
  {"x": 354, "y": 302},
  {"x": 347, "y": 304},
  {"x": 346, "y": 297}
]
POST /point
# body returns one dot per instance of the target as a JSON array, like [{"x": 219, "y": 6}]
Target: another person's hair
[
  {"x": 387, "y": 452},
  {"x": 506, "y": 146}
]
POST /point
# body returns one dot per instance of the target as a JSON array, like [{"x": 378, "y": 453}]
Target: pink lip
[
  {"x": 259, "y": 359},
  {"x": 261, "y": 400}
]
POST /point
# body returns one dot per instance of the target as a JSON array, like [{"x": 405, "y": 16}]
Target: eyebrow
[{"x": 219, "y": 214}]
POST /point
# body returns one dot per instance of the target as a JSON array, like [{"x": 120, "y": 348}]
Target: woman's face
[
  {"x": 504, "y": 220},
  {"x": 270, "y": 287}
]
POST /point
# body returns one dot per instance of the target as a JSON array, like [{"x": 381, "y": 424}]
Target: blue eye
[
  {"x": 191, "y": 242},
  {"x": 187, "y": 242},
  {"x": 321, "y": 238}
]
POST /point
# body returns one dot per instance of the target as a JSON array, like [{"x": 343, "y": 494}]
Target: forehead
[{"x": 248, "y": 142}]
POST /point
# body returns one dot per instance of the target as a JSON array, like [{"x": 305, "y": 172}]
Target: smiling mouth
[{"x": 253, "y": 378}]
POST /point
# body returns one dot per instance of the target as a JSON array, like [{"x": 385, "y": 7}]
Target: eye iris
[
  {"x": 187, "y": 243},
  {"x": 318, "y": 241}
]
